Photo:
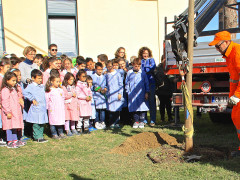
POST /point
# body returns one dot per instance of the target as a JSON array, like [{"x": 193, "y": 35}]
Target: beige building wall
[
  {"x": 25, "y": 24},
  {"x": 105, "y": 25}
]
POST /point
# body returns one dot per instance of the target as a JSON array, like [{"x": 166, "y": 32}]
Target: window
[{"x": 62, "y": 26}]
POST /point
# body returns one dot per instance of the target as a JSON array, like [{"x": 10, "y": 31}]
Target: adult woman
[
  {"x": 148, "y": 65},
  {"x": 27, "y": 66}
]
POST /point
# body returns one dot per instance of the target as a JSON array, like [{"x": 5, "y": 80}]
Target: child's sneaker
[
  {"x": 141, "y": 125},
  {"x": 3, "y": 143},
  {"x": 55, "y": 137},
  {"x": 75, "y": 132},
  {"x": 69, "y": 133},
  {"x": 136, "y": 125},
  {"x": 92, "y": 129},
  {"x": 115, "y": 126},
  {"x": 41, "y": 140},
  {"x": 62, "y": 136},
  {"x": 86, "y": 131},
  {"x": 112, "y": 126},
  {"x": 20, "y": 143},
  {"x": 12, "y": 145},
  {"x": 24, "y": 138},
  {"x": 98, "y": 125},
  {"x": 103, "y": 125}
]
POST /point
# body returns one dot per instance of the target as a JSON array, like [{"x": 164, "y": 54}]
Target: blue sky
[{"x": 213, "y": 25}]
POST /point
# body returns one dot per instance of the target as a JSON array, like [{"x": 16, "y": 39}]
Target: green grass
[{"x": 88, "y": 157}]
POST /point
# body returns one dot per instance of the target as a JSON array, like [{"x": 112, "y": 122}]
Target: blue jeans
[
  {"x": 100, "y": 115},
  {"x": 152, "y": 103},
  {"x": 114, "y": 117},
  {"x": 54, "y": 129}
]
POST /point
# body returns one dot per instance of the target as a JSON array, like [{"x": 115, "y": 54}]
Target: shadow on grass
[{"x": 76, "y": 177}]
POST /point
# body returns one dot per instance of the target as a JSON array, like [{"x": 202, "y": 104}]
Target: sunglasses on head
[{"x": 53, "y": 49}]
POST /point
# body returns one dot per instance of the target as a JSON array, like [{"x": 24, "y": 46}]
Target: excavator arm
[{"x": 178, "y": 36}]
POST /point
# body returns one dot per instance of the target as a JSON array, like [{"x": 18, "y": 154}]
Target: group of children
[{"x": 70, "y": 99}]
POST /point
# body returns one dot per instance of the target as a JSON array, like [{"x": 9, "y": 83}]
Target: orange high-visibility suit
[{"x": 232, "y": 56}]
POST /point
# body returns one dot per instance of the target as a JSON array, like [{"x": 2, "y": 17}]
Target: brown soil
[
  {"x": 167, "y": 153},
  {"x": 144, "y": 141}
]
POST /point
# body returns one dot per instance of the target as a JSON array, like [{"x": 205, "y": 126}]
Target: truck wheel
[{"x": 220, "y": 117}]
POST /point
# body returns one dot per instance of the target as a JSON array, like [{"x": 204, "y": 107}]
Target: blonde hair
[{"x": 28, "y": 49}]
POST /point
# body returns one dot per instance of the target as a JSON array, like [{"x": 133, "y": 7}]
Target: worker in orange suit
[{"x": 231, "y": 52}]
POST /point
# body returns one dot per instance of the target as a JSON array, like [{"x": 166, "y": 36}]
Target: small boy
[
  {"x": 37, "y": 114},
  {"x": 114, "y": 94},
  {"x": 102, "y": 58},
  {"x": 115, "y": 64},
  {"x": 99, "y": 95},
  {"x": 80, "y": 64},
  {"x": 137, "y": 88}
]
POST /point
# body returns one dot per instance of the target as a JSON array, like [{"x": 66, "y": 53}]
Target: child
[
  {"x": 12, "y": 120},
  {"x": 84, "y": 95},
  {"x": 93, "y": 117},
  {"x": 137, "y": 88},
  {"x": 114, "y": 94},
  {"x": 19, "y": 83},
  {"x": 15, "y": 62},
  {"x": 71, "y": 104},
  {"x": 55, "y": 106},
  {"x": 67, "y": 66},
  {"x": 102, "y": 58},
  {"x": 38, "y": 60},
  {"x": 148, "y": 65},
  {"x": 80, "y": 64},
  {"x": 53, "y": 63},
  {"x": 89, "y": 66},
  {"x": 4, "y": 67},
  {"x": 99, "y": 91},
  {"x": 37, "y": 114},
  {"x": 20, "y": 88},
  {"x": 115, "y": 64}
]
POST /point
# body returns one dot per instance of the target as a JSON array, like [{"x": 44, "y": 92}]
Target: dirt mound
[
  {"x": 144, "y": 141},
  {"x": 168, "y": 153}
]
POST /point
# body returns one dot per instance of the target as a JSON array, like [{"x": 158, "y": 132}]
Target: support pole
[{"x": 188, "y": 121}]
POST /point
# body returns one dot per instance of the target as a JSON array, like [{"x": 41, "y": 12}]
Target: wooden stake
[{"x": 188, "y": 121}]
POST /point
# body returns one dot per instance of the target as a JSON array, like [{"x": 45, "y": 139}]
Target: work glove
[{"x": 233, "y": 100}]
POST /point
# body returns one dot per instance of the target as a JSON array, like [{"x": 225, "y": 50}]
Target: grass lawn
[{"x": 88, "y": 157}]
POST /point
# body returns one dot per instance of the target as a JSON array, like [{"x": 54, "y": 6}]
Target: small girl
[
  {"x": 71, "y": 104},
  {"x": 19, "y": 85},
  {"x": 93, "y": 117},
  {"x": 53, "y": 63},
  {"x": 20, "y": 88},
  {"x": 114, "y": 94},
  {"x": 55, "y": 106},
  {"x": 4, "y": 67},
  {"x": 12, "y": 119},
  {"x": 84, "y": 95},
  {"x": 67, "y": 66}
]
